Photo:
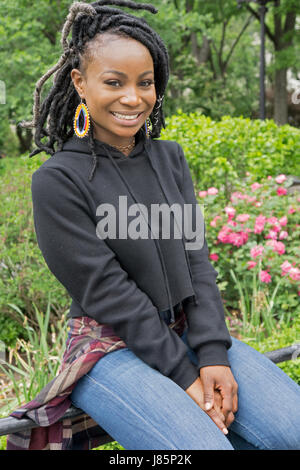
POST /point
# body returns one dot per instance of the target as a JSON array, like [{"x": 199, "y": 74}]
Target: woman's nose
[{"x": 131, "y": 96}]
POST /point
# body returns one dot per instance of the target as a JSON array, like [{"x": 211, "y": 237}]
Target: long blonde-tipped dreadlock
[{"x": 87, "y": 21}]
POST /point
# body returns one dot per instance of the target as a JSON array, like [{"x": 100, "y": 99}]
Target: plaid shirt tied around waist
[{"x": 87, "y": 342}]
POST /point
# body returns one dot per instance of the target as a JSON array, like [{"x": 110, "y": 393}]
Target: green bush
[
  {"x": 220, "y": 153},
  {"x": 282, "y": 337},
  {"x": 25, "y": 278}
]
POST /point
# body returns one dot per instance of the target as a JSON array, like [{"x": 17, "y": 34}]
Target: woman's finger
[
  {"x": 230, "y": 419},
  {"x": 208, "y": 391},
  {"x": 227, "y": 405},
  {"x": 235, "y": 402},
  {"x": 217, "y": 420}
]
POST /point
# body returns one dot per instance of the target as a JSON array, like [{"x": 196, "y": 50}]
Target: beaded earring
[
  {"x": 81, "y": 109},
  {"x": 148, "y": 122},
  {"x": 147, "y": 127}
]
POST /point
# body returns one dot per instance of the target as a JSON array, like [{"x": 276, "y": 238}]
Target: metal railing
[{"x": 11, "y": 425}]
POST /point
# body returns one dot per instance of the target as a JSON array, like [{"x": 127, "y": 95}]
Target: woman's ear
[{"x": 77, "y": 79}]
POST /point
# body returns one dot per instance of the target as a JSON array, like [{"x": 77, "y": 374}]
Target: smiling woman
[
  {"x": 148, "y": 356},
  {"x": 118, "y": 87}
]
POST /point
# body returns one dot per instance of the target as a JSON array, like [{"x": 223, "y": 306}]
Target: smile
[{"x": 128, "y": 117}]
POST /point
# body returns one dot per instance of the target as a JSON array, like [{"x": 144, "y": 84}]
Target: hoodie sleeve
[
  {"x": 207, "y": 333},
  {"x": 89, "y": 270}
]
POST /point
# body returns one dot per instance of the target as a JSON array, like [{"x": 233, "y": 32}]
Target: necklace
[{"x": 125, "y": 147}]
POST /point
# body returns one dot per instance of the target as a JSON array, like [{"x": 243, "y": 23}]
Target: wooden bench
[{"x": 11, "y": 425}]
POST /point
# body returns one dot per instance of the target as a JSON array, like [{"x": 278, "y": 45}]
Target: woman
[{"x": 172, "y": 377}]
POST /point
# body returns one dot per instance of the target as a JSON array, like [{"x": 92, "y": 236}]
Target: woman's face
[{"x": 118, "y": 78}]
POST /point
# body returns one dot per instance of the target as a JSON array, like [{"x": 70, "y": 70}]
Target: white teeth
[{"x": 124, "y": 116}]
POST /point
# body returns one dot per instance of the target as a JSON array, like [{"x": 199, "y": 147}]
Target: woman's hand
[
  {"x": 196, "y": 392},
  {"x": 220, "y": 378}
]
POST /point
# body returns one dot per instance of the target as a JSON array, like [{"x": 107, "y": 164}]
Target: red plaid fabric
[{"x": 87, "y": 342}]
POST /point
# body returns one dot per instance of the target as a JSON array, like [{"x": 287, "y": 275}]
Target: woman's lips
[{"x": 127, "y": 122}]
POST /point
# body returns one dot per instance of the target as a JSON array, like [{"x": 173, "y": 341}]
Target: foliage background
[{"x": 211, "y": 106}]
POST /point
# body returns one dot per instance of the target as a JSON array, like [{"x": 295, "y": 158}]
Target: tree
[
  {"x": 29, "y": 34},
  {"x": 282, "y": 31}
]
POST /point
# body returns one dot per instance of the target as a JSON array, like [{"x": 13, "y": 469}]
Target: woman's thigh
[
  {"x": 268, "y": 413},
  {"x": 143, "y": 409}
]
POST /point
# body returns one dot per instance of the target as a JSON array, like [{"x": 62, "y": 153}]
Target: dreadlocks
[{"x": 87, "y": 21}]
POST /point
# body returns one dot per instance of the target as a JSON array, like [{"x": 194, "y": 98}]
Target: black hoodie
[{"x": 127, "y": 282}]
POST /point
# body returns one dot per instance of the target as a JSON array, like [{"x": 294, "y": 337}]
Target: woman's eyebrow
[{"x": 124, "y": 74}]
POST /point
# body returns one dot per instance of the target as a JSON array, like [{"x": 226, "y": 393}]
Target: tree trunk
[
  {"x": 280, "y": 97},
  {"x": 284, "y": 31},
  {"x": 25, "y": 139}
]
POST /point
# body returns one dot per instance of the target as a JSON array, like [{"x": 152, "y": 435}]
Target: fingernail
[
  {"x": 225, "y": 431},
  {"x": 207, "y": 406}
]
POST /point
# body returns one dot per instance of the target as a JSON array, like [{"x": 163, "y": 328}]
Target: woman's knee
[
  {"x": 269, "y": 400},
  {"x": 141, "y": 407}
]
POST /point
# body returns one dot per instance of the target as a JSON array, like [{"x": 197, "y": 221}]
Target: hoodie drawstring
[
  {"x": 155, "y": 240},
  {"x": 183, "y": 239}
]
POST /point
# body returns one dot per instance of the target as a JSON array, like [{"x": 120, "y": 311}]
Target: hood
[{"x": 97, "y": 150}]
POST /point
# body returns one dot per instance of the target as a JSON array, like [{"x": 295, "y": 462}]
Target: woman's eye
[
  {"x": 148, "y": 82},
  {"x": 112, "y": 82},
  {"x": 116, "y": 82}
]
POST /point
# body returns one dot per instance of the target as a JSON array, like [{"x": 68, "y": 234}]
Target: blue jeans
[{"x": 143, "y": 409}]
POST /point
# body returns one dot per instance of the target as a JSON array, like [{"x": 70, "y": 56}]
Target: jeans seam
[
  {"x": 268, "y": 447},
  {"x": 126, "y": 404}
]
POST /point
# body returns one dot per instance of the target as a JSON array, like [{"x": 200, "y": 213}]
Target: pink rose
[
  {"x": 238, "y": 238},
  {"x": 294, "y": 274},
  {"x": 286, "y": 266},
  {"x": 281, "y": 191},
  {"x": 272, "y": 234},
  {"x": 264, "y": 276},
  {"x": 258, "y": 228},
  {"x": 291, "y": 210},
  {"x": 283, "y": 234},
  {"x": 256, "y": 251},
  {"x": 214, "y": 256},
  {"x": 272, "y": 220},
  {"x": 276, "y": 227},
  {"x": 223, "y": 234},
  {"x": 243, "y": 217},
  {"x": 279, "y": 247},
  {"x": 255, "y": 186},
  {"x": 230, "y": 211},
  {"x": 269, "y": 177},
  {"x": 237, "y": 195},
  {"x": 251, "y": 264},
  {"x": 283, "y": 220},
  {"x": 261, "y": 219},
  {"x": 202, "y": 193},
  {"x": 280, "y": 179},
  {"x": 212, "y": 191}
]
